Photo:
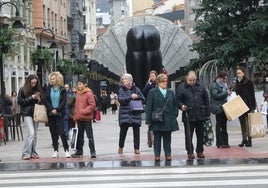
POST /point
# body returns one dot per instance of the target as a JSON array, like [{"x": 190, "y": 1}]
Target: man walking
[{"x": 193, "y": 100}]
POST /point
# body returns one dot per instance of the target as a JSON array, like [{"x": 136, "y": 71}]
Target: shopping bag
[
  {"x": 2, "y": 128},
  {"x": 235, "y": 108},
  {"x": 136, "y": 107},
  {"x": 98, "y": 115},
  {"x": 208, "y": 133},
  {"x": 73, "y": 137},
  {"x": 264, "y": 108},
  {"x": 40, "y": 113},
  {"x": 256, "y": 125}
]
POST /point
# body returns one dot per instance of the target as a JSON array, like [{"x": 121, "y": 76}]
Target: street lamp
[
  {"x": 16, "y": 25},
  {"x": 53, "y": 46}
]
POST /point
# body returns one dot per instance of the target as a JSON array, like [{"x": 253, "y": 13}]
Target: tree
[
  {"x": 5, "y": 40},
  {"x": 230, "y": 31},
  {"x": 42, "y": 57}
]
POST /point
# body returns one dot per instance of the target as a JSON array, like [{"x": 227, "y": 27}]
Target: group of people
[
  {"x": 192, "y": 98},
  {"x": 54, "y": 97}
]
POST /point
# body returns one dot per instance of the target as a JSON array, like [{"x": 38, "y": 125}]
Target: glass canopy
[{"x": 111, "y": 48}]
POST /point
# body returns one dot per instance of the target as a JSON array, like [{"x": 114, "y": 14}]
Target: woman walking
[
  {"x": 28, "y": 96},
  {"x": 162, "y": 98},
  {"x": 245, "y": 88},
  {"x": 55, "y": 103},
  {"x": 218, "y": 96},
  {"x": 126, "y": 93}
]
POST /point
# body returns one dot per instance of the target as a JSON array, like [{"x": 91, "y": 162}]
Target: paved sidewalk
[{"x": 106, "y": 133}]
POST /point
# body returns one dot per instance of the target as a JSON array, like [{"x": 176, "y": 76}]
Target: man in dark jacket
[{"x": 193, "y": 100}]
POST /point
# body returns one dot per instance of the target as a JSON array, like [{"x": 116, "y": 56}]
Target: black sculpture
[{"x": 143, "y": 53}]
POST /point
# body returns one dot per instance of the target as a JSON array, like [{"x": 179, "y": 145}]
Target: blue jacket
[{"x": 124, "y": 97}]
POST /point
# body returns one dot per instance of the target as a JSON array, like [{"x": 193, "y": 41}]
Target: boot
[
  {"x": 149, "y": 137},
  {"x": 249, "y": 142},
  {"x": 243, "y": 143}
]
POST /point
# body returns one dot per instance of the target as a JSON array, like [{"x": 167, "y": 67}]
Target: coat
[
  {"x": 196, "y": 99},
  {"x": 155, "y": 100},
  {"x": 84, "y": 105},
  {"x": 245, "y": 90},
  {"x": 124, "y": 97},
  {"x": 61, "y": 108},
  {"x": 218, "y": 97}
]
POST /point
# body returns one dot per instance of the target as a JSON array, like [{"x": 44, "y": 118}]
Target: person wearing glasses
[
  {"x": 218, "y": 96},
  {"x": 162, "y": 97},
  {"x": 193, "y": 100}
]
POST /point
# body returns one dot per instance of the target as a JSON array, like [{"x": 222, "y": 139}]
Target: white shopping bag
[{"x": 73, "y": 137}]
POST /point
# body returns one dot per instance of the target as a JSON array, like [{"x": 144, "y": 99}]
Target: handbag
[
  {"x": 40, "y": 113},
  {"x": 73, "y": 137},
  {"x": 136, "y": 107},
  {"x": 158, "y": 114},
  {"x": 208, "y": 138},
  {"x": 256, "y": 125}
]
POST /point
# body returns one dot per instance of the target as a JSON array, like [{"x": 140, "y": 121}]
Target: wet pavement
[{"x": 106, "y": 133}]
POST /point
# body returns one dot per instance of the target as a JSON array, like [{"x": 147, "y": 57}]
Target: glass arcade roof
[{"x": 111, "y": 48}]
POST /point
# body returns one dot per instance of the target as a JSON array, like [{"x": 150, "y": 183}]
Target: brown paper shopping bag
[
  {"x": 256, "y": 125},
  {"x": 235, "y": 108}
]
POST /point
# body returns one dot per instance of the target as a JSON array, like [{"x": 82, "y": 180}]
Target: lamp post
[
  {"x": 16, "y": 25},
  {"x": 52, "y": 46}
]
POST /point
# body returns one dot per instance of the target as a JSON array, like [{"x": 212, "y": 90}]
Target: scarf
[{"x": 224, "y": 86}]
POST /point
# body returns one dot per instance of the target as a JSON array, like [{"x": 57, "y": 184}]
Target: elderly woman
[
  {"x": 164, "y": 99},
  {"x": 126, "y": 93}
]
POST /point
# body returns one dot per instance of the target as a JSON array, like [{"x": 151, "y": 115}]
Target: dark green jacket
[
  {"x": 217, "y": 98},
  {"x": 156, "y": 99}
]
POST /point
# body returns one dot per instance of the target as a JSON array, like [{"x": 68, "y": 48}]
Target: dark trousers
[
  {"x": 244, "y": 126},
  {"x": 82, "y": 127},
  {"x": 123, "y": 134},
  {"x": 189, "y": 129},
  {"x": 56, "y": 129},
  {"x": 221, "y": 130},
  {"x": 158, "y": 135}
]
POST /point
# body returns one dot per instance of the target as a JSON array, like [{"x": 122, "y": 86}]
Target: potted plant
[{"x": 42, "y": 57}]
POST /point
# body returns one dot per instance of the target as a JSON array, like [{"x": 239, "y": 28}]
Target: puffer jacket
[
  {"x": 63, "y": 97},
  {"x": 218, "y": 97},
  {"x": 84, "y": 105},
  {"x": 196, "y": 99},
  {"x": 26, "y": 102},
  {"x": 124, "y": 97}
]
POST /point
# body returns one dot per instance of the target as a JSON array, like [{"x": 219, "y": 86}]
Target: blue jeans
[{"x": 30, "y": 143}]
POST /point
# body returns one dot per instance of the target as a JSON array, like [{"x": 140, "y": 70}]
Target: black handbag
[{"x": 158, "y": 114}]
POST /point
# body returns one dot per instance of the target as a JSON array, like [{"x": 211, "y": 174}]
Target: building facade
[{"x": 120, "y": 10}]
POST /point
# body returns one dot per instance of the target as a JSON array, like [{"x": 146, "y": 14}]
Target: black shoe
[
  {"x": 77, "y": 155},
  {"x": 225, "y": 146},
  {"x": 242, "y": 143},
  {"x": 93, "y": 155},
  {"x": 249, "y": 142}
]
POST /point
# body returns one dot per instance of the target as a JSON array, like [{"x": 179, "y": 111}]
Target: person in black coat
[
  {"x": 127, "y": 92},
  {"x": 193, "y": 100},
  {"x": 28, "y": 96},
  {"x": 218, "y": 96},
  {"x": 150, "y": 85},
  {"x": 245, "y": 88}
]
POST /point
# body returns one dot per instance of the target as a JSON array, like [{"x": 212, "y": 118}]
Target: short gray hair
[{"x": 128, "y": 77}]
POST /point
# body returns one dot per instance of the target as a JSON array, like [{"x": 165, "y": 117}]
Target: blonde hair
[
  {"x": 59, "y": 77},
  {"x": 162, "y": 77}
]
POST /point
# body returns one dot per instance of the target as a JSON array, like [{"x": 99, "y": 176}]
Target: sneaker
[
  {"x": 77, "y": 155},
  {"x": 67, "y": 154},
  {"x": 55, "y": 154},
  {"x": 26, "y": 157}
]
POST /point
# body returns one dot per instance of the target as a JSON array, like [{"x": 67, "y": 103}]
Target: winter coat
[
  {"x": 196, "y": 99},
  {"x": 84, "y": 105},
  {"x": 218, "y": 96},
  {"x": 155, "y": 100},
  {"x": 147, "y": 88},
  {"x": 245, "y": 90},
  {"x": 61, "y": 108},
  {"x": 26, "y": 102},
  {"x": 124, "y": 97}
]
